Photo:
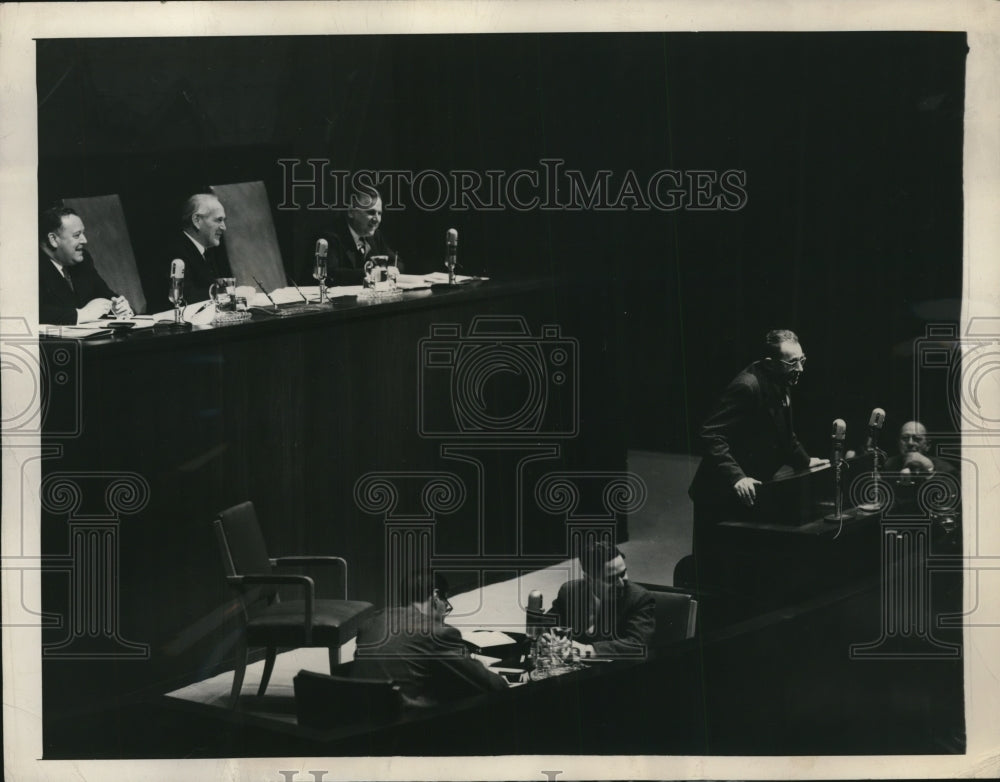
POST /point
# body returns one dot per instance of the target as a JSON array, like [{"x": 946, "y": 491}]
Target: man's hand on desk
[
  {"x": 746, "y": 490},
  {"x": 814, "y": 462},
  {"x": 93, "y": 309},
  {"x": 121, "y": 309}
]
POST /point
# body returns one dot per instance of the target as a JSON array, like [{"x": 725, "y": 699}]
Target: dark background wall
[{"x": 852, "y": 146}]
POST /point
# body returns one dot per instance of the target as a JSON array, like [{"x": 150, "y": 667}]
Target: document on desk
[
  {"x": 485, "y": 638},
  {"x": 138, "y": 322},
  {"x": 411, "y": 282},
  {"x": 81, "y": 331},
  {"x": 487, "y": 642},
  {"x": 437, "y": 278},
  {"x": 200, "y": 313}
]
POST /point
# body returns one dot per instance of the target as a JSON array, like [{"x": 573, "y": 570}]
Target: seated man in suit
[
  {"x": 749, "y": 436},
  {"x": 70, "y": 290},
  {"x": 353, "y": 238},
  {"x": 411, "y": 645},
  {"x": 203, "y": 225},
  {"x": 609, "y": 615},
  {"x": 912, "y": 458}
]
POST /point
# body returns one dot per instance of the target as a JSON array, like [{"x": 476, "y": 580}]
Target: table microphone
[
  {"x": 322, "y": 247},
  {"x": 177, "y": 282},
  {"x": 875, "y": 423},
  {"x": 839, "y": 433},
  {"x": 319, "y": 270},
  {"x": 451, "y": 253},
  {"x": 837, "y": 460},
  {"x": 177, "y": 296},
  {"x": 534, "y": 612}
]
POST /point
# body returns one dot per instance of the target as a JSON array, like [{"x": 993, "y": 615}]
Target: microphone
[
  {"x": 451, "y": 253},
  {"x": 177, "y": 282},
  {"x": 839, "y": 433},
  {"x": 534, "y": 615},
  {"x": 875, "y": 423},
  {"x": 837, "y": 460},
  {"x": 322, "y": 247},
  {"x": 319, "y": 270}
]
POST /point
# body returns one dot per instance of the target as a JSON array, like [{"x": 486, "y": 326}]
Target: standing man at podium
[{"x": 749, "y": 435}]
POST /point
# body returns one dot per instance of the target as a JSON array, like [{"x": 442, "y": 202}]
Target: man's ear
[{"x": 53, "y": 240}]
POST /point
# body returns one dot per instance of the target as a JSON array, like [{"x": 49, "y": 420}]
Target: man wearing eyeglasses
[
  {"x": 608, "y": 614},
  {"x": 411, "y": 645},
  {"x": 749, "y": 435}
]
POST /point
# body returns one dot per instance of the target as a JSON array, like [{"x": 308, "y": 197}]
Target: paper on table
[
  {"x": 200, "y": 313},
  {"x": 311, "y": 292},
  {"x": 411, "y": 282},
  {"x": 72, "y": 332},
  {"x": 438, "y": 277},
  {"x": 138, "y": 322},
  {"x": 484, "y": 639}
]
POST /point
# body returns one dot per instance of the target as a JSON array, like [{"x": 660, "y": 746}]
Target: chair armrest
[
  {"x": 304, "y": 581},
  {"x": 312, "y": 560}
]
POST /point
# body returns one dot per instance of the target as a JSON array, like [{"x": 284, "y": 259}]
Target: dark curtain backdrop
[{"x": 851, "y": 143}]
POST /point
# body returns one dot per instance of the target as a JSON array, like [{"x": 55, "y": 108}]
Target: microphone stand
[
  {"x": 875, "y": 506},
  {"x": 177, "y": 294},
  {"x": 838, "y": 497}
]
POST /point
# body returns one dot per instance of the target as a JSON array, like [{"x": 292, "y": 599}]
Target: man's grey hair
[{"x": 195, "y": 204}]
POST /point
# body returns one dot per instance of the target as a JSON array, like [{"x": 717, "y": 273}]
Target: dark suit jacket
[
  {"x": 424, "y": 656},
  {"x": 57, "y": 302},
  {"x": 623, "y": 626},
  {"x": 344, "y": 264},
  {"x": 749, "y": 433},
  {"x": 199, "y": 272}
]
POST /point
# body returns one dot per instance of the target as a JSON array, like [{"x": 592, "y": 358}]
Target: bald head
[{"x": 913, "y": 438}]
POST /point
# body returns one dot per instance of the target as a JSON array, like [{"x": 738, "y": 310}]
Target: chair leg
[
  {"x": 239, "y": 672},
  {"x": 272, "y": 652}
]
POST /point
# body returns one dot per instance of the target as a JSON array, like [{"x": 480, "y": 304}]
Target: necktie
[
  {"x": 362, "y": 247},
  {"x": 69, "y": 280}
]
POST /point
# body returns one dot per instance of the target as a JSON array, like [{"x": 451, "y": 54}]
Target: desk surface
[{"x": 262, "y": 322}]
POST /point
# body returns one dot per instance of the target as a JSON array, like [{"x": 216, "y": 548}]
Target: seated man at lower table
[
  {"x": 610, "y": 616},
  {"x": 913, "y": 449},
  {"x": 411, "y": 645},
  {"x": 70, "y": 290}
]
